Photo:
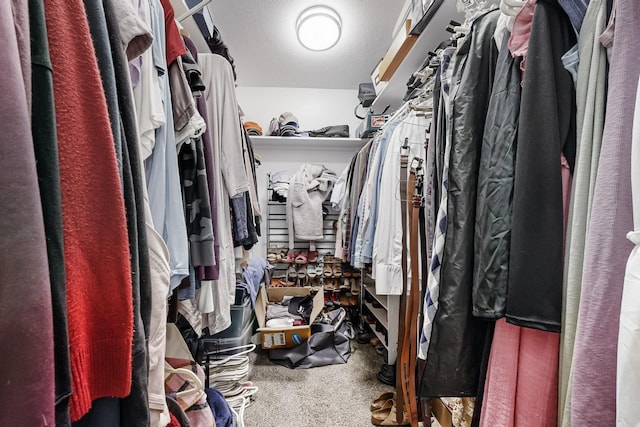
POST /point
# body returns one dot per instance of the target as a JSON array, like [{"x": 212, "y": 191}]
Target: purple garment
[
  {"x": 26, "y": 324},
  {"x": 207, "y": 272},
  {"x": 593, "y": 401}
]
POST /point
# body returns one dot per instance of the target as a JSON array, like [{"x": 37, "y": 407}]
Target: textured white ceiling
[{"x": 262, "y": 40}]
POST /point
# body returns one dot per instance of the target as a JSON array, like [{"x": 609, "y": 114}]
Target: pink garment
[
  {"x": 522, "y": 379},
  {"x": 521, "y": 32},
  {"x": 521, "y": 389}
]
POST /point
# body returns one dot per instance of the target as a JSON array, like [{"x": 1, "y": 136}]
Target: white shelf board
[
  {"x": 378, "y": 313},
  {"x": 378, "y": 334},
  {"x": 433, "y": 34},
  {"x": 371, "y": 289},
  {"x": 297, "y": 143}
]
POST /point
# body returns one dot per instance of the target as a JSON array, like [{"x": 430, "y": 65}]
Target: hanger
[
  {"x": 192, "y": 379},
  {"x": 193, "y": 10}
]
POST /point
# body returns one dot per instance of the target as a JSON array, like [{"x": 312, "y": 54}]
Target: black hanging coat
[
  {"x": 457, "y": 339},
  {"x": 546, "y": 129},
  {"x": 495, "y": 190}
]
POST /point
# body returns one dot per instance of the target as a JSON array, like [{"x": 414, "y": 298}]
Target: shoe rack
[
  {"x": 385, "y": 309},
  {"x": 278, "y": 233}
]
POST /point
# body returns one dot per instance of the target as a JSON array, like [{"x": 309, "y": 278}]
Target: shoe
[
  {"x": 272, "y": 258},
  {"x": 327, "y": 271},
  {"x": 369, "y": 319},
  {"x": 345, "y": 285},
  {"x": 334, "y": 299},
  {"x": 327, "y": 300},
  {"x": 291, "y": 256},
  {"x": 379, "y": 415},
  {"x": 387, "y": 374},
  {"x": 390, "y": 420},
  {"x": 355, "y": 287},
  {"x": 346, "y": 270},
  {"x": 381, "y": 349},
  {"x": 337, "y": 270},
  {"x": 328, "y": 285},
  {"x": 344, "y": 300},
  {"x": 379, "y": 402},
  {"x": 311, "y": 271},
  {"x": 364, "y": 337},
  {"x": 302, "y": 272},
  {"x": 312, "y": 256},
  {"x": 292, "y": 274},
  {"x": 301, "y": 258},
  {"x": 353, "y": 299},
  {"x": 374, "y": 341}
]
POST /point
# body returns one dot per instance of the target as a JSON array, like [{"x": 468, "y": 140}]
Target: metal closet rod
[{"x": 194, "y": 10}]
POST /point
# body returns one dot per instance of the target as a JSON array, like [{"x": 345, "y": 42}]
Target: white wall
[
  {"x": 314, "y": 108},
  {"x": 289, "y": 154}
]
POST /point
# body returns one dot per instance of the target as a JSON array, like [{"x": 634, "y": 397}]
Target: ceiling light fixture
[{"x": 318, "y": 28}]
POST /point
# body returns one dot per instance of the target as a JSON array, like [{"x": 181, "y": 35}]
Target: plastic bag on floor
[{"x": 329, "y": 344}]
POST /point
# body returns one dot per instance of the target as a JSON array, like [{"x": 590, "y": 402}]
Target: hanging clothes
[
  {"x": 442, "y": 151},
  {"x": 495, "y": 190},
  {"x": 521, "y": 386},
  {"x": 309, "y": 187},
  {"x": 547, "y": 113},
  {"x": 137, "y": 398},
  {"x": 457, "y": 340},
  {"x": 43, "y": 127},
  {"x": 95, "y": 233},
  {"x": 230, "y": 180},
  {"x": 594, "y": 362},
  {"x": 628, "y": 366},
  {"x": 387, "y": 241},
  {"x": 26, "y": 344},
  {"x": 372, "y": 188},
  {"x": 163, "y": 179},
  {"x": 590, "y": 114}
]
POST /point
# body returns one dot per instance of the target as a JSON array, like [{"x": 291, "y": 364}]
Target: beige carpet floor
[{"x": 329, "y": 396}]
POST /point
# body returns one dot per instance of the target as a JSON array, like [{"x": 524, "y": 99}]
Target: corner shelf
[
  {"x": 431, "y": 36},
  {"x": 387, "y": 315}
]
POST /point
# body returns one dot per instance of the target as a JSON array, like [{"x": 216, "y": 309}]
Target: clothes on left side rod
[{"x": 26, "y": 342}]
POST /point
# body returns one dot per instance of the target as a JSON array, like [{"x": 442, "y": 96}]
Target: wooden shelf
[
  {"x": 296, "y": 143},
  {"x": 431, "y": 36}
]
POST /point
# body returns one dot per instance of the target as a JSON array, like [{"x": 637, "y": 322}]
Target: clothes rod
[{"x": 194, "y": 10}]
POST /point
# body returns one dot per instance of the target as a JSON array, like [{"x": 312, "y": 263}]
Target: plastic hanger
[{"x": 192, "y": 379}]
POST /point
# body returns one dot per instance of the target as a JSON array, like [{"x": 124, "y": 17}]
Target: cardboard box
[
  {"x": 396, "y": 53},
  {"x": 272, "y": 338}
]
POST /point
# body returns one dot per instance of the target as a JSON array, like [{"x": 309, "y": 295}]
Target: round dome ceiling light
[{"x": 318, "y": 28}]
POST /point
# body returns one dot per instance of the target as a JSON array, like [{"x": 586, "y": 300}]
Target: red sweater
[{"x": 96, "y": 249}]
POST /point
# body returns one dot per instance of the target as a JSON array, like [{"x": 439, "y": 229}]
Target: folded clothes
[
  {"x": 280, "y": 176},
  {"x": 280, "y": 323},
  {"x": 277, "y": 311}
]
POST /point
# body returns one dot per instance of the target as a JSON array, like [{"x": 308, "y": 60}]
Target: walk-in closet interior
[{"x": 341, "y": 213}]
